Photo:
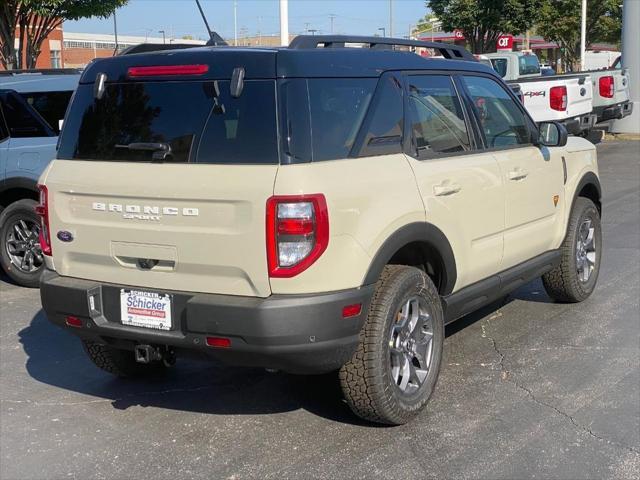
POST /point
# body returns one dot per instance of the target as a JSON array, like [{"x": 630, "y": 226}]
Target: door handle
[
  {"x": 446, "y": 188},
  {"x": 518, "y": 174}
]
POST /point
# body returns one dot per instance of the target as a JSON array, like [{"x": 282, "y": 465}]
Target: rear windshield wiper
[{"x": 160, "y": 150}]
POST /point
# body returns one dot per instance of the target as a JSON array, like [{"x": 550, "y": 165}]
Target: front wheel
[
  {"x": 394, "y": 370},
  {"x": 575, "y": 278}
]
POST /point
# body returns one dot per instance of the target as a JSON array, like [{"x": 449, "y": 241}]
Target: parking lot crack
[{"x": 506, "y": 375}]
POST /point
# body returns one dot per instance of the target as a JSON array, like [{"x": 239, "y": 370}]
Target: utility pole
[
  {"x": 163, "y": 38},
  {"x": 115, "y": 34},
  {"x": 583, "y": 35},
  {"x": 630, "y": 61},
  {"x": 284, "y": 22},
  {"x": 235, "y": 23},
  {"x": 391, "y": 18},
  {"x": 332, "y": 18}
]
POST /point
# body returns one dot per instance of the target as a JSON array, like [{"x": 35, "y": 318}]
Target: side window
[
  {"x": 436, "y": 116},
  {"x": 502, "y": 121},
  {"x": 338, "y": 107},
  {"x": 50, "y": 105},
  {"x": 382, "y": 132},
  {"x": 500, "y": 66},
  {"x": 4, "y": 134},
  {"x": 22, "y": 121}
]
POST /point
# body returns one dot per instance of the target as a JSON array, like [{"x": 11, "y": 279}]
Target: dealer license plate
[{"x": 145, "y": 309}]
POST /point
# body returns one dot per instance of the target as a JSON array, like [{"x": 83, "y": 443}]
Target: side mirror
[{"x": 552, "y": 134}]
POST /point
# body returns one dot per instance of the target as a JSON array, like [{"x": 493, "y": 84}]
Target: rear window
[
  {"x": 528, "y": 65},
  {"x": 500, "y": 66},
  {"x": 173, "y": 122}
]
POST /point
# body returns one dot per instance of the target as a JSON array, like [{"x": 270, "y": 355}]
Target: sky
[{"x": 181, "y": 17}]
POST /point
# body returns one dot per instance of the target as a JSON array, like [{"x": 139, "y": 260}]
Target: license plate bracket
[{"x": 145, "y": 309}]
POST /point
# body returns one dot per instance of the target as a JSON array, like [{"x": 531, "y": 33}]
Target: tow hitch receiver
[{"x": 147, "y": 354}]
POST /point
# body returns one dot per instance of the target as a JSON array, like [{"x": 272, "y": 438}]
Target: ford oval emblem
[{"x": 65, "y": 236}]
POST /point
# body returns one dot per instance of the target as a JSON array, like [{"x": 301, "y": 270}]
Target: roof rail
[
  {"x": 41, "y": 71},
  {"x": 449, "y": 51},
  {"x": 156, "y": 47}
]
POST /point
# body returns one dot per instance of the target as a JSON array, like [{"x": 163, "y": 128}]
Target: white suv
[{"x": 307, "y": 209}]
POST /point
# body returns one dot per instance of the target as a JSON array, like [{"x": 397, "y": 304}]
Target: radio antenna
[{"x": 214, "y": 38}]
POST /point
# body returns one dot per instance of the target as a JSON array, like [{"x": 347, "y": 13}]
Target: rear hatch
[{"x": 162, "y": 175}]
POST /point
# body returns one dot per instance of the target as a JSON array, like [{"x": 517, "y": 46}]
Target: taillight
[
  {"x": 607, "y": 86},
  {"x": 42, "y": 209},
  {"x": 558, "y": 98},
  {"x": 297, "y": 233},
  {"x": 167, "y": 70}
]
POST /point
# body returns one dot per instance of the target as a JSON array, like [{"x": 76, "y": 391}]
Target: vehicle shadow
[{"x": 57, "y": 358}]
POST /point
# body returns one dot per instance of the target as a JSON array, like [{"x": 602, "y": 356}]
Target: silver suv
[{"x": 307, "y": 209}]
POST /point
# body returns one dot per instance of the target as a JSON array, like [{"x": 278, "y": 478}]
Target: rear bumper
[
  {"x": 581, "y": 123},
  {"x": 294, "y": 333},
  {"x": 614, "y": 112}
]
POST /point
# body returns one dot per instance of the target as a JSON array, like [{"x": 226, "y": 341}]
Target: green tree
[
  {"x": 36, "y": 19},
  {"x": 560, "y": 22},
  {"x": 483, "y": 21}
]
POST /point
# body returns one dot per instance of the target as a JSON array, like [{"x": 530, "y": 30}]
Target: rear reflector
[
  {"x": 73, "y": 321},
  {"x": 218, "y": 342},
  {"x": 351, "y": 310},
  {"x": 164, "y": 70},
  {"x": 42, "y": 210}
]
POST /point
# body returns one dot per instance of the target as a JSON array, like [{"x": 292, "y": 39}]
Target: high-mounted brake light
[
  {"x": 606, "y": 86},
  {"x": 42, "y": 209},
  {"x": 297, "y": 233},
  {"x": 167, "y": 70},
  {"x": 558, "y": 98}
]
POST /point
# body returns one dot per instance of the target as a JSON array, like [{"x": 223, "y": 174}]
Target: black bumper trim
[
  {"x": 295, "y": 333},
  {"x": 613, "y": 112}
]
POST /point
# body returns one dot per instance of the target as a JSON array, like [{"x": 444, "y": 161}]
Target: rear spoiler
[
  {"x": 156, "y": 47},
  {"x": 448, "y": 51}
]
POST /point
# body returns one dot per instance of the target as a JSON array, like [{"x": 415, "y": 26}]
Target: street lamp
[
  {"x": 163, "y": 38},
  {"x": 384, "y": 31}
]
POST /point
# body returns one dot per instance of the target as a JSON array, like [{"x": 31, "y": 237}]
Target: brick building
[{"x": 51, "y": 50}]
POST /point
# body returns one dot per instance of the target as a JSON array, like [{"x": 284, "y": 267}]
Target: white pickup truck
[
  {"x": 610, "y": 93},
  {"x": 564, "y": 98}
]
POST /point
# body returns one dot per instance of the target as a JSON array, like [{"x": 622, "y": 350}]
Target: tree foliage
[
  {"x": 560, "y": 23},
  {"x": 482, "y": 21},
  {"x": 36, "y": 19}
]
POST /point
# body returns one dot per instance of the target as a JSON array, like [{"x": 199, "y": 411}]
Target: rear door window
[
  {"x": 176, "y": 121},
  {"x": 436, "y": 116},
  {"x": 22, "y": 120},
  {"x": 50, "y": 105}
]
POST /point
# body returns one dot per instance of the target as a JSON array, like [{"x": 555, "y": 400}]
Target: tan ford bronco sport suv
[{"x": 309, "y": 209}]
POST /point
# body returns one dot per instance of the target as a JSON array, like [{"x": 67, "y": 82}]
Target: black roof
[{"x": 302, "y": 60}]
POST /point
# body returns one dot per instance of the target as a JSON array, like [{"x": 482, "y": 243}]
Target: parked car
[
  {"x": 564, "y": 98},
  {"x": 32, "y": 107},
  {"x": 600, "y": 59},
  {"x": 307, "y": 209},
  {"x": 611, "y": 94}
]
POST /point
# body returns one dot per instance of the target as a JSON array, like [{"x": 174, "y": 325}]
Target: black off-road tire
[
  {"x": 121, "y": 363},
  {"x": 366, "y": 379},
  {"x": 562, "y": 283},
  {"x": 25, "y": 209}
]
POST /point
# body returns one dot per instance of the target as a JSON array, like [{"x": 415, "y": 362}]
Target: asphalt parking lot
[{"x": 529, "y": 388}]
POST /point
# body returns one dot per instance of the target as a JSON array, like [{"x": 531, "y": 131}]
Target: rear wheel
[
  {"x": 20, "y": 254},
  {"x": 575, "y": 278},
  {"x": 121, "y": 363},
  {"x": 394, "y": 370}
]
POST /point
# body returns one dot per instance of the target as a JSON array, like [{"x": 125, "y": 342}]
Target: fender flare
[
  {"x": 416, "y": 232},
  {"x": 588, "y": 178},
  {"x": 25, "y": 183}
]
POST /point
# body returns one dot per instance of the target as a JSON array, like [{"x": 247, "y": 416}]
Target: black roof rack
[
  {"x": 156, "y": 47},
  {"x": 449, "y": 51},
  {"x": 42, "y": 71}
]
